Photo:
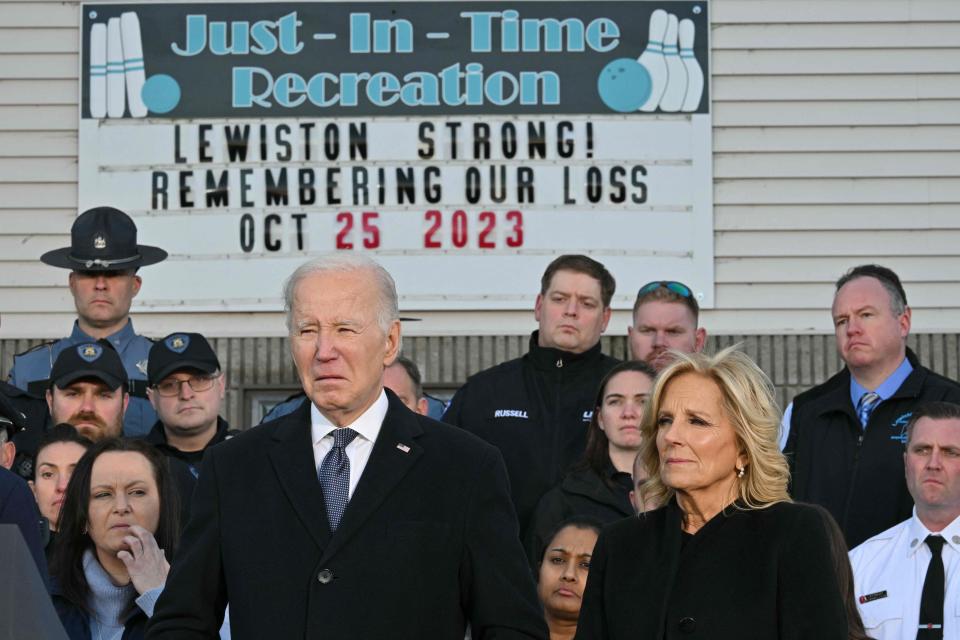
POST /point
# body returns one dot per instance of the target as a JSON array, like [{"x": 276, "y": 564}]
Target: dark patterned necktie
[
  {"x": 931, "y": 599},
  {"x": 335, "y": 476},
  {"x": 868, "y": 402}
]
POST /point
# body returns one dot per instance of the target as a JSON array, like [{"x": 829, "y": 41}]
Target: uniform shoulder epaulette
[{"x": 35, "y": 347}]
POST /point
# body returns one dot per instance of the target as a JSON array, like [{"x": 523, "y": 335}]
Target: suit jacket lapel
[
  {"x": 388, "y": 463},
  {"x": 292, "y": 458}
]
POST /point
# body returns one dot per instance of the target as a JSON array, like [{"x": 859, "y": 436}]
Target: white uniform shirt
[
  {"x": 888, "y": 574},
  {"x": 367, "y": 425}
]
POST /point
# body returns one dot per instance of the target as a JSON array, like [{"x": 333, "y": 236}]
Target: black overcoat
[
  {"x": 428, "y": 542},
  {"x": 763, "y": 574}
]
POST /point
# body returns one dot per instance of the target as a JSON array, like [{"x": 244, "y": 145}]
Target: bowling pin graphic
[
  {"x": 133, "y": 62},
  {"x": 98, "y": 70},
  {"x": 652, "y": 59},
  {"x": 676, "y": 88},
  {"x": 694, "y": 73},
  {"x": 116, "y": 93}
]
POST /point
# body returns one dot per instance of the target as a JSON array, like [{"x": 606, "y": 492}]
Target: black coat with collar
[
  {"x": 763, "y": 574},
  {"x": 581, "y": 493},
  {"x": 535, "y": 409},
  {"x": 855, "y": 473},
  {"x": 427, "y": 543}
]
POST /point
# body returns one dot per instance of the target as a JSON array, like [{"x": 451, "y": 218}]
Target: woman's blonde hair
[{"x": 748, "y": 402}]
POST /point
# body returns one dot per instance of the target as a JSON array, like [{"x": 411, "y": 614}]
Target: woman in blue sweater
[{"x": 118, "y": 529}]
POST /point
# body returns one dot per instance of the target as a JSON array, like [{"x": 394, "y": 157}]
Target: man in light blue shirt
[
  {"x": 844, "y": 438},
  {"x": 103, "y": 260}
]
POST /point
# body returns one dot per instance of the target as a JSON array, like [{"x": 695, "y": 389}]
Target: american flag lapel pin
[{"x": 403, "y": 447}]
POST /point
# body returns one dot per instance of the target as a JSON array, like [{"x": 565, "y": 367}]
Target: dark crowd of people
[{"x": 563, "y": 494}]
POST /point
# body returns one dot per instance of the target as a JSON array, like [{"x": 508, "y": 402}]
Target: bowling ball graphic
[
  {"x": 624, "y": 85},
  {"x": 160, "y": 93}
]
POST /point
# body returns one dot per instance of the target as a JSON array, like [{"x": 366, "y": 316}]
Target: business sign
[{"x": 464, "y": 145}]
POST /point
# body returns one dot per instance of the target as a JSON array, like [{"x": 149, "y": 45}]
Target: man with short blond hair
[{"x": 665, "y": 317}]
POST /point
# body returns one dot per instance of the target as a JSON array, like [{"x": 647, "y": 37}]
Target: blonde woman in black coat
[{"x": 727, "y": 555}]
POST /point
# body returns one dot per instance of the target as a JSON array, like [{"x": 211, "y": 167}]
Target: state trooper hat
[
  {"x": 89, "y": 360},
  {"x": 103, "y": 239},
  {"x": 180, "y": 351},
  {"x": 11, "y": 420}
]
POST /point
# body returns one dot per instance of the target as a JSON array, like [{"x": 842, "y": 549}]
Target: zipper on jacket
[{"x": 853, "y": 479}]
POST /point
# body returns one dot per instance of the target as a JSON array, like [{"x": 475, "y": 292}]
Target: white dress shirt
[
  {"x": 367, "y": 425},
  {"x": 888, "y": 574}
]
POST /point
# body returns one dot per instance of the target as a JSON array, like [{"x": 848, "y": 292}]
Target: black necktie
[{"x": 931, "y": 602}]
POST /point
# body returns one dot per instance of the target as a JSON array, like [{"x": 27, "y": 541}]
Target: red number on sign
[
  {"x": 491, "y": 219},
  {"x": 347, "y": 218},
  {"x": 516, "y": 240},
  {"x": 371, "y": 241},
  {"x": 459, "y": 229},
  {"x": 429, "y": 241}
]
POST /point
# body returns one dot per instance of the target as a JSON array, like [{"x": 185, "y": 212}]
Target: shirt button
[
  {"x": 325, "y": 576},
  {"x": 687, "y": 625}
]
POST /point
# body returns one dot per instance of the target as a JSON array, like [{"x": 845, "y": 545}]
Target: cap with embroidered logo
[
  {"x": 98, "y": 360},
  {"x": 180, "y": 351}
]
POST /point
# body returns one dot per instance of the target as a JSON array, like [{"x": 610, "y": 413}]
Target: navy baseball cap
[
  {"x": 180, "y": 351},
  {"x": 97, "y": 360}
]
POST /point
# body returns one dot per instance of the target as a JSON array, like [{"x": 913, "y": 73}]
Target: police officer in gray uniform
[{"x": 103, "y": 260}]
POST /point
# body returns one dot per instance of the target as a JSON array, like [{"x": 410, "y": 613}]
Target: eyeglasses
[
  {"x": 677, "y": 287},
  {"x": 197, "y": 383}
]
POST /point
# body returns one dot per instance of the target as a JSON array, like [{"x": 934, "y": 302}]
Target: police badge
[
  {"x": 178, "y": 342},
  {"x": 89, "y": 352}
]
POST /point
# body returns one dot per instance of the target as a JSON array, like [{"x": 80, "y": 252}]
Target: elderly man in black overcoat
[{"x": 352, "y": 517}]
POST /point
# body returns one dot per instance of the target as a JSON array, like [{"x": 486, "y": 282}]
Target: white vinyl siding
[{"x": 836, "y": 142}]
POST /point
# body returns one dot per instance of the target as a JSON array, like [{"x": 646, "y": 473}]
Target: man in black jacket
[
  {"x": 536, "y": 408},
  {"x": 846, "y": 436},
  {"x": 186, "y": 390}
]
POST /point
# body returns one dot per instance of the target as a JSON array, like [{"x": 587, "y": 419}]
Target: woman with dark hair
[
  {"x": 57, "y": 455},
  {"x": 844, "y": 572},
  {"x": 118, "y": 529},
  {"x": 599, "y": 485},
  {"x": 564, "y": 565}
]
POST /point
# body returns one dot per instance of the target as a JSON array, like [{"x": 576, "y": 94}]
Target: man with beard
[
  {"x": 88, "y": 390},
  {"x": 665, "y": 317}
]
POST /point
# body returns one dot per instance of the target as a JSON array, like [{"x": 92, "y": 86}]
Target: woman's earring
[
  {"x": 84, "y": 530},
  {"x": 740, "y": 471}
]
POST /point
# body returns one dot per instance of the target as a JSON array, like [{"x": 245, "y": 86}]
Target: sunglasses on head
[{"x": 677, "y": 287}]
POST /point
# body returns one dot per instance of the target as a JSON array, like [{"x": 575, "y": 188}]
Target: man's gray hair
[{"x": 343, "y": 263}]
